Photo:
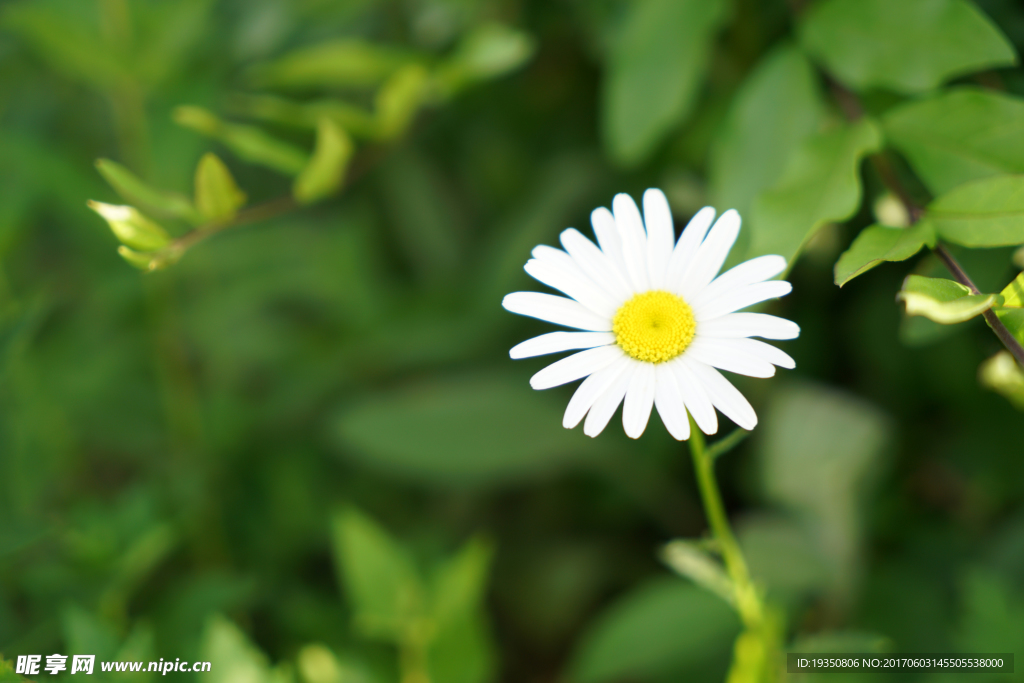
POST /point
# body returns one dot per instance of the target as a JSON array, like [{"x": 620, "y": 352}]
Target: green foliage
[
  {"x": 959, "y": 135},
  {"x": 776, "y": 109},
  {"x": 468, "y": 431},
  {"x": 911, "y": 46},
  {"x": 131, "y": 227},
  {"x": 943, "y": 301},
  {"x": 821, "y": 183},
  {"x": 325, "y": 172},
  {"x": 983, "y": 213},
  {"x": 1002, "y": 374},
  {"x": 487, "y": 52},
  {"x": 238, "y": 658},
  {"x": 659, "y": 629},
  {"x": 654, "y": 71},
  {"x": 136, "y": 192},
  {"x": 345, "y": 63},
  {"x": 248, "y": 142},
  {"x": 878, "y": 243}
]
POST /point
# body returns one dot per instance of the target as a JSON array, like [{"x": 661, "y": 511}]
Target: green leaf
[
  {"x": 136, "y": 192},
  {"x": 688, "y": 559},
  {"x": 131, "y": 227},
  {"x": 775, "y": 109},
  {"x": 464, "y": 652},
  {"x": 348, "y": 62},
  {"x": 217, "y": 196},
  {"x": 1013, "y": 293},
  {"x": 1003, "y": 375},
  {"x": 1013, "y": 318},
  {"x": 380, "y": 578},
  {"x": 908, "y": 46},
  {"x": 941, "y": 300},
  {"x": 318, "y": 664},
  {"x": 821, "y": 184},
  {"x": 993, "y": 615},
  {"x": 353, "y": 119},
  {"x": 653, "y": 72},
  {"x": 658, "y": 628},
  {"x": 959, "y": 135},
  {"x": 983, "y": 213},
  {"x": 458, "y": 584},
  {"x": 824, "y": 480},
  {"x": 485, "y": 53},
  {"x": 248, "y": 142},
  {"x": 237, "y": 659},
  {"x": 399, "y": 99},
  {"x": 879, "y": 243},
  {"x": 463, "y": 431},
  {"x": 325, "y": 172}
]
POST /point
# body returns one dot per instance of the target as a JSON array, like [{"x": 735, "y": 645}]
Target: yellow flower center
[{"x": 654, "y": 326}]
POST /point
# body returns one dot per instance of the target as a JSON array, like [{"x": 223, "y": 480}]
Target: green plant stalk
[{"x": 748, "y": 600}]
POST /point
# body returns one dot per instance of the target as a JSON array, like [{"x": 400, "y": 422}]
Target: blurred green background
[{"x": 303, "y": 452}]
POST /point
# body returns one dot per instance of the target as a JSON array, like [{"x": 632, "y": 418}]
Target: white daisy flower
[{"x": 656, "y": 321}]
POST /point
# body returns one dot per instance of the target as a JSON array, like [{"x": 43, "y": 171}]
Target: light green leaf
[
  {"x": 485, "y": 53},
  {"x": 318, "y": 664},
  {"x": 688, "y": 559},
  {"x": 348, "y": 62},
  {"x": 822, "y": 479},
  {"x": 776, "y": 108},
  {"x": 983, "y": 213},
  {"x": 7, "y": 672},
  {"x": 380, "y": 578},
  {"x": 325, "y": 172},
  {"x": 136, "y": 192},
  {"x": 248, "y": 142},
  {"x": 653, "y": 72},
  {"x": 237, "y": 659},
  {"x": 959, "y": 135},
  {"x": 659, "y": 628},
  {"x": 1013, "y": 318},
  {"x": 1013, "y": 293},
  {"x": 458, "y": 585},
  {"x": 879, "y": 243},
  {"x": 821, "y": 184},
  {"x": 131, "y": 227},
  {"x": 464, "y": 652},
  {"x": 463, "y": 431},
  {"x": 941, "y": 300},
  {"x": 355, "y": 120},
  {"x": 217, "y": 196},
  {"x": 399, "y": 99},
  {"x": 1003, "y": 375},
  {"x": 908, "y": 46}
]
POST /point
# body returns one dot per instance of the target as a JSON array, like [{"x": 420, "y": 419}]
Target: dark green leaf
[
  {"x": 776, "y": 108},
  {"x": 879, "y": 243},
  {"x": 959, "y": 135},
  {"x": 658, "y": 628},
  {"x": 909, "y": 46},
  {"x": 468, "y": 430},
  {"x": 653, "y": 72},
  {"x": 821, "y": 184},
  {"x": 486, "y": 52}
]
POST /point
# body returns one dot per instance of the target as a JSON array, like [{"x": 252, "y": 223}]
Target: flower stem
[{"x": 748, "y": 601}]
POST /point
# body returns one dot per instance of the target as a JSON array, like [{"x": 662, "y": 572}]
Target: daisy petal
[
  {"x": 556, "y": 309},
  {"x": 711, "y": 255},
  {"x": 741, "y": 298},
  {"x": 555, "y": 257},
  {"x": 686, "y": 247},
  {"x": 748, "y": 273},
  {"x": 605, "y": 405},
  {"x": 670, "y": 405},
  {"x": 758, "y": 349},
  {"x": 660, "y": 236},
  {"x": 590, "y": 390},
  {"x": 595, "y": 264},
  {"x": 723, "y": 394},
  {"x": 634, "y": 240},
  {"x": 719, "y": 353},
  {"x": 734, "y": 325},
  {"x": 608, "y": 237},
  {"x": 636, "y": 409},
  {"x": 576, "y": 286},
  {"x": 556, "y": 342},
  {"x": 571, "y": 368},
  {"x": 695, "y": 397}
]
